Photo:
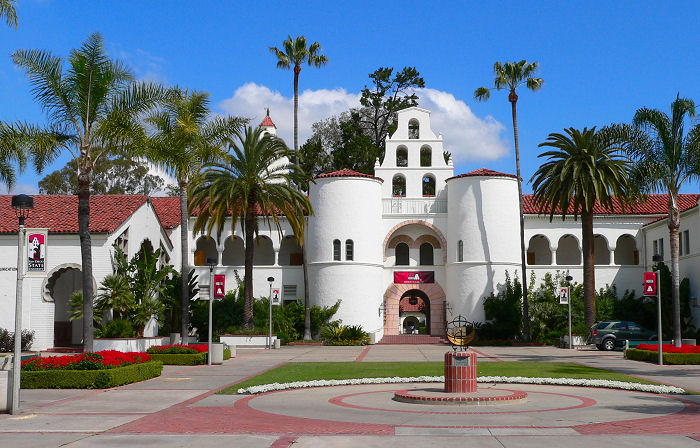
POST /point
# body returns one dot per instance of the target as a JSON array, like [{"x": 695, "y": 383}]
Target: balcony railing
[{"x": 413, "y": 206}]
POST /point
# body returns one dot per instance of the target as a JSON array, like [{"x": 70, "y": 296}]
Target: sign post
[
  {"x": 652, "y": 287},
  {"x": 269, "y": 300},
  {"x": 564, "y": 298}
]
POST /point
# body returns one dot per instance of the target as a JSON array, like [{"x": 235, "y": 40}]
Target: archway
[
  {"x": 58, "y": 287},
  {"x": 414, "y": 312},
  {"x": 435, "y": 306}
]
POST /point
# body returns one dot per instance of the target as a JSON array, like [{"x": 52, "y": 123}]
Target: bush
[
  {"x": 227, "y": 354},
  {"x": 117, "y": 328},
  {"x": 181, "y": 359},
  {"x": 504, "y": 312},
  {"x": 336, "y": 334},
  {"x": 7, "y": 340},
  {"x": 90, "y": 379},
  {"x": 669, "y": 358},
  {"x": 106, "y": 359},
  {"x": 177, "y": 349}
]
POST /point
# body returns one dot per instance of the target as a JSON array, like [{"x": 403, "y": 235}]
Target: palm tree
[
  {"x": 183, "y": 139},
  {"x": 254, "y": 179},
  {"x": 509, "y": 76},
  {"x": 295, "y": 52},
  {"x": 93, "y": 108},
  {"x": 8, "y": 12},
  {"x": 665, "y": 158},
  {"x": 585, "y": 168}
]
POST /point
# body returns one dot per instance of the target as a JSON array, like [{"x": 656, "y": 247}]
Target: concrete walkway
[{"x": 180, "y": 408}]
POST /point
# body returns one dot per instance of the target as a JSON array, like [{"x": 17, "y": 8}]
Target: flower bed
[
  {"x": 658, "y": 389},
  {"x": 652, "y": 355},
  {"x": 182, "y": 355},
  {"x": 103, "y": 360},
  {"x": 670, "y": 348},
  {"x": 177, "y": 349}
]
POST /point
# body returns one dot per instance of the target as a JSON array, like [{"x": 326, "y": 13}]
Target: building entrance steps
[{"x": 411, "y": 339}]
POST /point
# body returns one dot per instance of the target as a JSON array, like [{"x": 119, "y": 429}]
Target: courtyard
[{"x": 182, "y": 407}]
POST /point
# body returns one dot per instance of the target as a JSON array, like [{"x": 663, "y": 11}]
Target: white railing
[{"x": 413, "y": 206}]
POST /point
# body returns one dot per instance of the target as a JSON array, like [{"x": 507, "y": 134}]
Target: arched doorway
[
  {"x": 60, "y": 284},
  {"x": 414, "y": 312},
  {"x": 431, "y": 294}
]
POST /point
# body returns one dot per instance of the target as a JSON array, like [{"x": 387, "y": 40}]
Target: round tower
[
  {"x": 483, "y": 236},
  {"x": 344, "y": 246}
]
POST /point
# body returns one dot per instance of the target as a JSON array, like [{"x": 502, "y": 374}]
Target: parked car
[{"x": 608, "y": 334}]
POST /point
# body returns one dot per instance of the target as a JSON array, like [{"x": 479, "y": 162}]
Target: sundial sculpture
[
  {"x": 460, "y": 332},
  {"x": 460, "y": 365}
]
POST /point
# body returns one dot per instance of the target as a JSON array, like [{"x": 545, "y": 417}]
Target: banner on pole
[
  {"x": 219, "y": 286},
  {"x": 564, "y": 295},
  {"x": 650, "y": 284},
  {"x": 276, "y": 298}
]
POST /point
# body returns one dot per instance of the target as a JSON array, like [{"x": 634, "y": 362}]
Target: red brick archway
[{"x": 435, "y": 294}]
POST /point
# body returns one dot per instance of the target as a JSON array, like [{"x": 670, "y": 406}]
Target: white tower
[
  {"x": 267, "y": 125},
  {"x": 344, "y": 244}
]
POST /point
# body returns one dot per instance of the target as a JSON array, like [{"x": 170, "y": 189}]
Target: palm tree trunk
[
  {"x": 297, "y": 70},
  {"x": 307, "y": 305},
  {"x": 249, "y": 221},
  {"x": 588, "y": 269},
  {"x": 86, "y": 258},
  {"x": 184, "y": 264},
  {"x": 673, "y": 226},
  {"x": 513, "y": 98}
]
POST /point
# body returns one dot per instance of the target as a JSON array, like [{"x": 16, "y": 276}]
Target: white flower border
[{"x": 482, "y": 379}]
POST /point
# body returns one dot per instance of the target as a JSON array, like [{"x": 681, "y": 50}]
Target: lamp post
[
  {"x": 658, "y": 259},
  {"x": 22, "y": 204},
  {"x": 211, "y": 262},
  {"x": 568, "y": 289},
  {"x": 269, "y": 300}
]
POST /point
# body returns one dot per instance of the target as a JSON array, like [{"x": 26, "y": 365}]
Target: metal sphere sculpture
[{"x": 460, "y": 332}]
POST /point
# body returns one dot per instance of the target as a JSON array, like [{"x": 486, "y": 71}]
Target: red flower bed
[
  {"x": 177, "y": 349},
  {"x": 670, "y": 348},
  {"x": 105, "y": 359}
]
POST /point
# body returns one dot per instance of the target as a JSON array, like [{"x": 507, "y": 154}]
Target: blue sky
[{"x": 600, "y": 60}]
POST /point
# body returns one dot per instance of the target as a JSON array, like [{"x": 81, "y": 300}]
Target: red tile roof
[
  {"x": 655, "y": 204},
  {"x": 168, "y": 211},
  {"x": 267, "y": 121},
  {"x": 483, "y": 172},
  {"x": 347, "y": 173},
  {"x": 59, "y": 213}
]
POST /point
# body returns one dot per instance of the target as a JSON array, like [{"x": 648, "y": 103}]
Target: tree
[
  {"x": 295, "y": 52},
  {"x": 93, "y": 108},
  {"x": 509, "y": 76},
  {"x": 8, "y": 12},
  {"x": 118, "y": 175},
  {"x": 665, "y": 158},
  {"x": 254, "y": 179},
  {"x": 387, "y": 96},
  {"x": 585, "y": 168},
  {"x": 181, "y": 141}
]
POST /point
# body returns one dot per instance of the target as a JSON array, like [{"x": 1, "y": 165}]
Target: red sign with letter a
[
  {"x": 219, "y": 286},
  {"x": 650, "y": 284}
]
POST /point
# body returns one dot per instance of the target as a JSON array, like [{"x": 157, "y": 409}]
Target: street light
[
  {"x": 658, "y": 259},
  {"x": 568, "y": 288},
  {"x": 211, "y": 262},
  {"x": 23, "y": 205},
  {"x": 270, "y": 280}
]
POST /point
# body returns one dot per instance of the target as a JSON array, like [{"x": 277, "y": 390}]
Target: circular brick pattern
[{"x": 479, "y": 398}]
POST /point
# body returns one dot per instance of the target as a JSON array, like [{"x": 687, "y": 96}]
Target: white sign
[
  {"x": 564, "y": 296},
  {"x": 276, "y": 298},
  {"x": 35, "y": 247}
]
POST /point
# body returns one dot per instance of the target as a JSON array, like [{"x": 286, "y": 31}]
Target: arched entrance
[
  {"x": 414, "y": 312},
  {"x": 434, "y": 303},
  {"x": 60, "y": 284}
]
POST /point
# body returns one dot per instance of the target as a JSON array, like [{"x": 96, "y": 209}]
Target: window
[
  {"x": 413, "y": 129},
  {"x": 122, "y": 241},
  {"x": 426, "y": 156},
  {"x": 401, "y": 253},
  {"x": 680, "y": 243},
  {"x": 686, "y": 241},
  {"x": 428, "y": 185},
  {"x": 398, "y": 186},
  {"x": 460, "y": 250},
  {"x": 401, "y": 156},
  {"x": 426, "y": 254},
  {"x": 659, "y": 247},
  {"x": 349, "y": 250},
  {"x": 336, "y": 250}
]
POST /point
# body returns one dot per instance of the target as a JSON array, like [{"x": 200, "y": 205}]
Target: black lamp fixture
[
  {"x": 569, "y": 278},
  {"x": 23, "y": 205},
  {"x": 657, "y": 258},
  {"x": 271, "y": 279}
]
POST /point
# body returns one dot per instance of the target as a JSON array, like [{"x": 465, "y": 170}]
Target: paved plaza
[{"x": 181, "y": 408}]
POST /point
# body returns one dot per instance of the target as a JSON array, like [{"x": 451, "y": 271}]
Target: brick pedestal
[{"x": 460, "y": 372}]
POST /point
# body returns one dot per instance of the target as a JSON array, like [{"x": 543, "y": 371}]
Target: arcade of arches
[
  {"x": 568, "y": 251},
  {"x": 430, "y": 294}
]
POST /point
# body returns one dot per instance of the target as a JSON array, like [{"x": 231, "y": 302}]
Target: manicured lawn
[{"x": 306, "y": 371}]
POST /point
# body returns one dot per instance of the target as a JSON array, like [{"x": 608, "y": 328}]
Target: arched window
[
  {"x": 264, "y": 254},
  {"x": 401, "y": 156},
  {"x": 426, "y": 254},
  {"x": 428, "y": 185},
  {"x": 538, "y": 251},
  {"x": 336, "y": 250},
  {"x": 626, "y": 251},
  {"x": 401, "y": 253},
  {"x": 413, "y": 129},
  {"x": 568, "y": 252},
  {"x": 290, "y": 252},
  {"x": 601, "y": 253},
  {"x": 398, "y": 186},
  {"x": 234, "y": 252},
  {"x": 460, "y": 250},
  {"x": 205, "y": 248},
  {"x": 426, "y": 156},
  {"x": 349, "y": 250}
]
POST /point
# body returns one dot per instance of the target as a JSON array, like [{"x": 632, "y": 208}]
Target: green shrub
[
  {"x": 181, "y": 359},
  {"x": 669, "y": 358},
  {"x": 7, "y": 340},
  {"x": 117, "y": 328},
  {"x": 336, "y": 334},
  {"x": 90, "y": 379},
  {"x": 227, "y": 354},
  {"x": 503, "y": 311}
]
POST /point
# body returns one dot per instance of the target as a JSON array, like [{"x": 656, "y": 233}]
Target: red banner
[
  {"x": 219, "y": 286},
  {"x": 414, "y": 277},
  {"x": 649, "y": 284}
]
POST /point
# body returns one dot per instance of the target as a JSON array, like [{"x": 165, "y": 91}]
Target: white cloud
[
  {"x": 23, "y": 189},
  {"x": 465, "y": 135}
]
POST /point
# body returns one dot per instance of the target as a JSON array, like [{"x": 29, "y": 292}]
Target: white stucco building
[{"x": 413, "y": 233}]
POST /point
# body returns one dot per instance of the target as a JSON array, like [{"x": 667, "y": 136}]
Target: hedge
[
  {"x": 669, "y": 358},
  {"x": 91, "y": 379},
  {"x": 186, "y": 359}
]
